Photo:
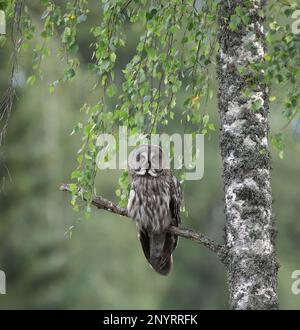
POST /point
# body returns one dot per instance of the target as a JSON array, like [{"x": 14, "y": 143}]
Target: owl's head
[{"x": 148, "y": 159}]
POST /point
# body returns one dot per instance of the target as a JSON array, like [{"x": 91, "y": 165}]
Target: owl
[{"x": 154, "y": 204}]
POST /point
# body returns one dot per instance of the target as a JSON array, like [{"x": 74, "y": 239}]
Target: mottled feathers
[{"x": 154, "y": 204}]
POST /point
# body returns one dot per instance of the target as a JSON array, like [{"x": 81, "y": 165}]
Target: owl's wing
[
  {"x": 176, "y": 200},
  {"x": 170, "y": 240}
]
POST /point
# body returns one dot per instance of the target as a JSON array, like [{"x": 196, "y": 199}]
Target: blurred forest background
[{"x": 102, "y": 265}]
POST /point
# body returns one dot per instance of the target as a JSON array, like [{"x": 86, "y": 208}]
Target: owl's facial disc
[{"x": 148, "y": 159}]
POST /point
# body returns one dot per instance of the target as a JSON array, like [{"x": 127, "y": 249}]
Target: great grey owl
[{"x": 154, "y": 204}]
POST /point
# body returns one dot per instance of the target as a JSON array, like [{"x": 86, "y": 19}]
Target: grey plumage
[{"x": 154, "y": 204}]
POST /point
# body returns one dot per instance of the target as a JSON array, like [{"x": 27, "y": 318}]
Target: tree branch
[{"x": 104, "y": 204}]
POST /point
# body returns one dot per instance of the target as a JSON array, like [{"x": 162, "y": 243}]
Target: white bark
[{"x": 252, "y": 265}]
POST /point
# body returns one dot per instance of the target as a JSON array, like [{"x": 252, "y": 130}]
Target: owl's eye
[
  {"x": 138, "y": 157},
  {"x": 143, "y": 157},
  {"x": 155, "y": 159}
]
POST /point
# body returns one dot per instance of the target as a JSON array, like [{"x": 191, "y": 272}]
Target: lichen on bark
[{"x": 243, "y": 107}]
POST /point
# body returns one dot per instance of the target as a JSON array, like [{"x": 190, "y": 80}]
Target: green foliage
[
  {"x": 282, "y": 62},
  {"x": 177, "y": 43}
]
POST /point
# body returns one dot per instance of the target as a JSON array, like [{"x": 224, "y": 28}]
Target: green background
[{"x": 102, "y": 265}]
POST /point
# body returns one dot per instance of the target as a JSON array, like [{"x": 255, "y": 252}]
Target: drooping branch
[
  {"x": 6, "y": 100},
  {"x": 105, "y": 204}
]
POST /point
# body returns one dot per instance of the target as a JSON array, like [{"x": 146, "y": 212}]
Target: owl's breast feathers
[{"x": 154, "y": 203}]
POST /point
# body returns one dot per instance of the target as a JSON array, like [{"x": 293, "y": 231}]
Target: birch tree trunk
[{"x": 243, "y": 107}]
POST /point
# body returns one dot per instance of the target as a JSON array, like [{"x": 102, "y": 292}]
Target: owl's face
[{"x": 148, "y": 159}]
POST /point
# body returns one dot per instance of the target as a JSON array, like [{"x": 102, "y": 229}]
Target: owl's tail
[{"x": 158, "y": 249}]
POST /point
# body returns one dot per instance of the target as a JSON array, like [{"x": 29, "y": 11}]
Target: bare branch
[
  {"x": 104, "y": 204},
  {"x": 198, "y": 238}
]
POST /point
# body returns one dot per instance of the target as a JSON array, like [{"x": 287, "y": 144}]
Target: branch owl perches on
[{"x": 154, "y": 204}]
